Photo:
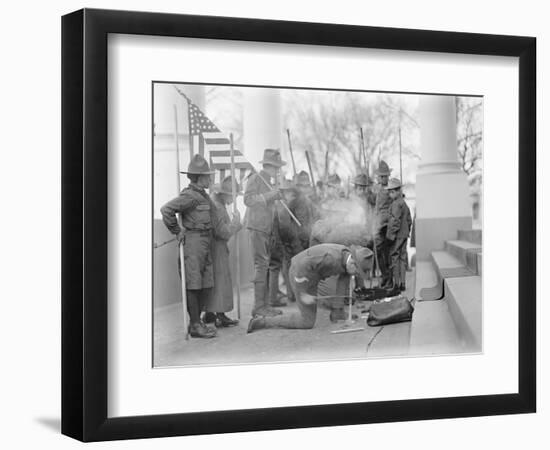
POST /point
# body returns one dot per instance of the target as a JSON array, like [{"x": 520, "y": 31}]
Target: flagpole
[
  {"x": 400, "y": 152},
  {"x": 291, "y": 153},
  {"x": 180, "y": 244},
  {"x": 235, "y": 240}
]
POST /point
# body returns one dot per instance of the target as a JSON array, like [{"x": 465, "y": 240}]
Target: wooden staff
[
  {"x": 180, "y": 245},
  {"x": 236, "y": 249},
  {"x": 351, "y": 286},
  {"x": 282, "y": 202},
  {"x": 360, "y": 154},
  {"x": 290, "y": 213},
  {"x": 326, "y": 166},
  {"x": 363, "y": 150},
  {"x": 400, "y": 153},
  {"x": 291, "y": 153},
  {"x": 311, "y": 174}
]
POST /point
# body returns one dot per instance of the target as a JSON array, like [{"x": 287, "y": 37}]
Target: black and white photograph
[
  {"x": 300, "y": 224},
  {"x": 275, "y": 225}
]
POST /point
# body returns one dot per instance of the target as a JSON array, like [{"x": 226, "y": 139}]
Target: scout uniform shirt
[
  {"x": 260, "y": 213},
  {"x": 400, "y": 221},
  {"x": 316, "y": 263}
]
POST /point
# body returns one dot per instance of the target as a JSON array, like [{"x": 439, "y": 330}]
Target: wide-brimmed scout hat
[
  {"x": 334, "y": 180},
  {"x": 383, "y": 169},
  {"x": 225, "y": 187},
  {"x": 272, "y": 156},
  {"x": 302, "y": 179},
  {"x": 394, "y": 183},
  {"x": 198, "y": 166},
  {"x": 362, "y": 180},
  {"x": 363, "y": 259}
]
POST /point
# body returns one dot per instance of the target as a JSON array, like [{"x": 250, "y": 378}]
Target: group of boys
[{"x": 279, "y": 217}]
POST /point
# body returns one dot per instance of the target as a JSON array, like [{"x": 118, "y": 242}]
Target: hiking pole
[
  {"x": 290, "y": 213},
  {"x": 311, "y": 174},
  {"x": 291, "y": 153},
  {"x": 235, "y": 238}
]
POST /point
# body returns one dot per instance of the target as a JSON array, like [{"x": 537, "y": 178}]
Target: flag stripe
[
  {"x": 207, "y": 140},
  {"x": 217, "y": 153},
  {"x": 227, "y": 166},
  {"x": 218, "y": 141}
]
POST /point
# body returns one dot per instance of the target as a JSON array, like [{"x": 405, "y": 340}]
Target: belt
[{"x": 198, "y": 231}]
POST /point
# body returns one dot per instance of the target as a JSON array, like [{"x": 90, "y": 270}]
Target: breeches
[
  {"x": 199, "y": 271},
  {"x": 261, "y": 253},
  {"x": 382, "y": 250},
  {"x": 307, "y": 309}
]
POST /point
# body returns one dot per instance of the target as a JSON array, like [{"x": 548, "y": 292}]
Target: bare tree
[
  {"x": 331, "y": 121},
  {"x": 469, "y": 112}
]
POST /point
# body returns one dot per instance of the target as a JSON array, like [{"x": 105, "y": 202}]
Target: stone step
[
  {"x": 445, "y": 265},
  {"x": 473, "y": 236},
  {"x": 466, "y": 252},
  {"x": 464, "y": 299},
  {"x": 433, "y": 331}
]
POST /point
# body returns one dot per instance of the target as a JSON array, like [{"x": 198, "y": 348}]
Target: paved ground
[{"x": 234, "y": 346}]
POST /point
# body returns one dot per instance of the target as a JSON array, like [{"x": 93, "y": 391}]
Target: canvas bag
[{"x": 398, "y": 309}]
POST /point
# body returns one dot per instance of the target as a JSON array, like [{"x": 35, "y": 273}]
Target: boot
[
  {"x": 223, "y": 321},
  {"x": 266, "y": 311},
  {"x": 259, "y": 296},
  {"x": 256, "y": 323},
  {"x": 199, "y": 330},
  {"x": 274, "y": 299}
]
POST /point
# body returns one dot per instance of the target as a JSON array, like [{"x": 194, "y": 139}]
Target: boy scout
[
  {"x": 399, "y": 226},
  {"x": 381, "y": 201},
  {"x": 196, "y": 211},
  {"x": 260, "y": 198},
  {"x": 307, "y": 269},
  {"x": 221, "y": 299}
]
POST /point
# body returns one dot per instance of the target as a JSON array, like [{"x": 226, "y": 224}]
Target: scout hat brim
[
  {"x": 200, "y": 173},
  {"x": 273, "y": 163}
]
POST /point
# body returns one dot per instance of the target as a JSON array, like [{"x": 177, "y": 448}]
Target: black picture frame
[{"x": 84, "y": 224}]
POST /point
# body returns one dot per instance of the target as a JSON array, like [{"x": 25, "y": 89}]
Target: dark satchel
[{"x": 396, "y": 310}]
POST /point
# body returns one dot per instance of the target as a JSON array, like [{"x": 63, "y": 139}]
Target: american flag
[{"x": 206, "y": 139}]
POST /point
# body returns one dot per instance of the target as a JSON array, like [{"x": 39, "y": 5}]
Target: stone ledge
[
  {"x": 464, "y": 297},
  {"x": 433, "y": 331}
]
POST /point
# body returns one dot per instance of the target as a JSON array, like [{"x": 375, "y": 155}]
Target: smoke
[{"x": 345, "y": 221}]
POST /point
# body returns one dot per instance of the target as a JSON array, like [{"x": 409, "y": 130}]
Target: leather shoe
[
  {"x": 223, "y": 321},
  {"x": 199, "y": 330},
  {"x": 278, "y": 303}
]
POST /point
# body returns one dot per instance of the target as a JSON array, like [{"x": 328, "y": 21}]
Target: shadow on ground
[{"x": 234, "y": 346}]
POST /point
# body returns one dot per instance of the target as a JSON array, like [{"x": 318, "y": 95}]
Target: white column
[
  {"x": 443, "y": 197},
  {"x": 262, "y": 122}
]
